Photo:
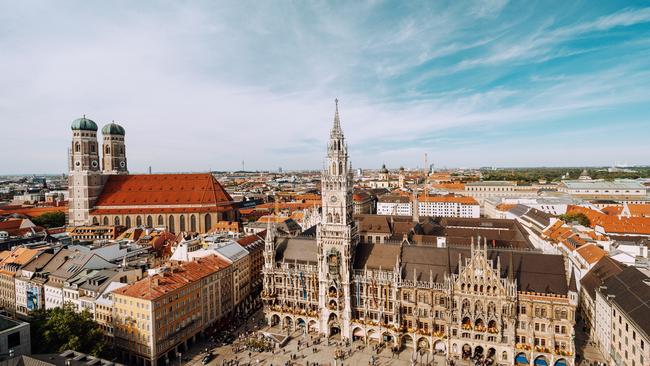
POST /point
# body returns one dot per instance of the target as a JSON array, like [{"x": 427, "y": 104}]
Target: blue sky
[{"x": 205, "y": 85}]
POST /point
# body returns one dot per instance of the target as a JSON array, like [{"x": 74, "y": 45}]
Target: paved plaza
[{"x": 303, "y": 349}]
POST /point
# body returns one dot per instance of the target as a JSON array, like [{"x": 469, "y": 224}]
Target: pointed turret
[
  {"x": 336, "y": 128},
  {"x": 269, "y": 245}
]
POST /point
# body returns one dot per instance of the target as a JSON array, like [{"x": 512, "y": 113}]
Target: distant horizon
[
  {"x": 413, "y": 169},
  {"x": 202, "y": 85}
]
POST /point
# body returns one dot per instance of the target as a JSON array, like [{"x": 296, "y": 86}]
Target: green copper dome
[
  {"x": 113, "y": 129},
  {"x": 84, "y": 123}
]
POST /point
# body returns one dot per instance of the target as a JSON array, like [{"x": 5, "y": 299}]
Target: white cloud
[{"x": 205, "y": 86}]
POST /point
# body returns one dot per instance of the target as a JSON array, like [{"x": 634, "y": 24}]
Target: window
[
  {"x": 208, "y": 222},
  {"x": 182, "y": 223},
  {"x": 193, "y": 223},
  {"x": 13, "y": 340}
]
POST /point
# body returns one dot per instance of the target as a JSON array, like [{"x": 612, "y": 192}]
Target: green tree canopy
[
  {"x": 580, "y": 218},
  {"x": 59, "y": 329},
  {"x": 50, "y": 219}
]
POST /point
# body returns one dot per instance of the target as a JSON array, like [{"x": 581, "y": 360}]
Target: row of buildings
[
  {"x": 428, "y": 205},
  {"x": 204, "y": 280}
]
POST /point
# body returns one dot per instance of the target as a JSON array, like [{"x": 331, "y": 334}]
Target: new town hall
[{"x": 394, "y": 281}]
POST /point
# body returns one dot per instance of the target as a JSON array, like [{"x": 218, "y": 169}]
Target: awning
[
  {"x": 359, "y": 332},
  {"x": 540, "y": 361},
  {"x": 521, "y": 358},
  {"x": 560, "y": 362}
]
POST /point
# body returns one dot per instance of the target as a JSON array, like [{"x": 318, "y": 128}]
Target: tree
[
  {"x": 580, "y": 218},
  {"x": 50, "y": 219},
  {"x": 59, "y": 329}
]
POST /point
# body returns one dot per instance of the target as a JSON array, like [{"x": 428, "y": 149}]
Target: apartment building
[
  {"x": 75, "y": 264},
  {"x": 10, "y": 263},
  {"x": 621, "y": 318},
  {"x": 159, "y": 315},
  {"x": 30, "y": 280}
]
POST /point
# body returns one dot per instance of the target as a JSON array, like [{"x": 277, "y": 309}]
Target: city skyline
[{"x": 205, "y": 86}]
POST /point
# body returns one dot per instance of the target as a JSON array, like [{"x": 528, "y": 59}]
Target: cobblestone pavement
[{"x": 323, "y": 354}]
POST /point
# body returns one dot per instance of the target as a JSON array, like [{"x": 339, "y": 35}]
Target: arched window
[
  {"x": 95, "y": 222},
  {"x": 161, "y": 221},
  {"x": 193, "y": 223},
  {"x": 329, "y": 217},
  {"x": 340, "y": 168},
  {"x": 127, "y": 222},
  {"x": 108, "y": 149},
  {"x": 138, "y": 221},
  {"x": 208, "y": 222},
  {"x": 92, "y": 148},
  {"x": 182, "y": 223},
  {"x": 77, "y": 147},
  {"x": 170, "y": 224},
  {"x": 149, "y": 221},
  {"x": 105, "y": 221},
  {"x": 116, "y": 221}
]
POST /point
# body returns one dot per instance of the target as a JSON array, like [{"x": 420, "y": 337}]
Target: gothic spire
[{"x": 337, "y": 121}]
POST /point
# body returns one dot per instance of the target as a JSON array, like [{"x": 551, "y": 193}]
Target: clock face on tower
[
  {"x": 333, "y": 199},
  {"x": 122, "y": 164}
]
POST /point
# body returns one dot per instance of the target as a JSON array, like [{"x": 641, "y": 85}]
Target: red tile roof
[
  {"x": 250, "y": 239},
  {"x": 159, "y": 285},
  {"x": 614, "y": 224},
  {"x": 591, "y": 253},
  {"x": 136, "y": 192},
  {"x": 33, "y": 211}
]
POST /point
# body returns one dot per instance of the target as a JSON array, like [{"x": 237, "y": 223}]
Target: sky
[{"x": 205, "y": 85}]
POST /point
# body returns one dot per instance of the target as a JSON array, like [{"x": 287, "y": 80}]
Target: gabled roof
[{"x": 137, "y": 191}]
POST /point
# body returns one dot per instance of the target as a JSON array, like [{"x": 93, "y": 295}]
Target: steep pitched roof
[{"x": 137, "y": 191}]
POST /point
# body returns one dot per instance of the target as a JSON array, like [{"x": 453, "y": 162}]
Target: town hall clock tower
[{"x": 337, "y": 236}]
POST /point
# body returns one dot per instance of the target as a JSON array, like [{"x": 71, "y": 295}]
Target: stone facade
[
  {"x": 111, "y": 196},
  {"x": 497, "y": 305}
]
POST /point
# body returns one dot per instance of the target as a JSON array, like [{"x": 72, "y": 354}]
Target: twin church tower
[{"x": 86, "y": 176}]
